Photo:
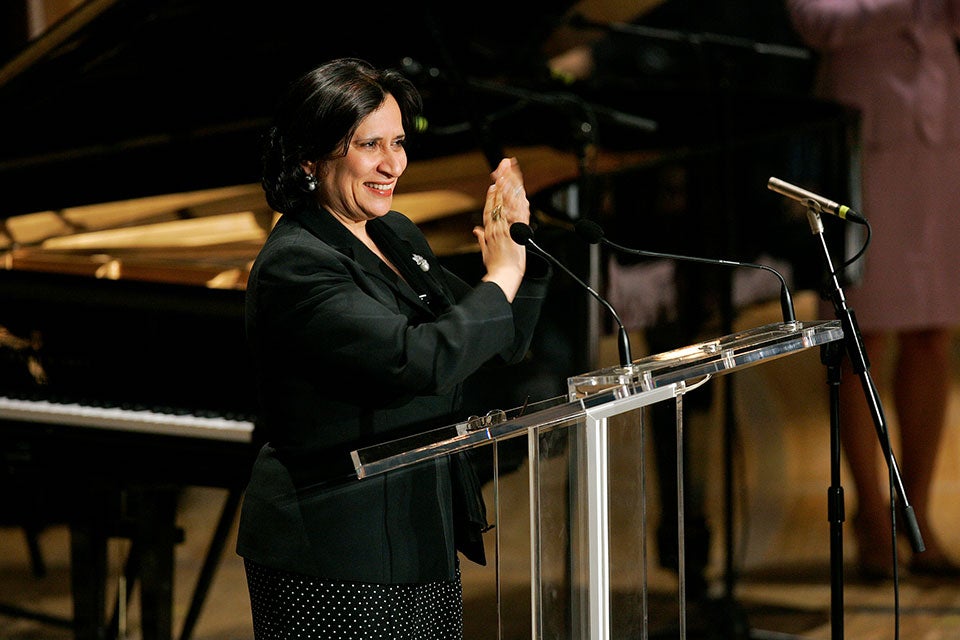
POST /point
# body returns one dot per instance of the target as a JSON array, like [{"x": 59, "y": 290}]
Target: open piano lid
[{"x": 148, "y": 114}]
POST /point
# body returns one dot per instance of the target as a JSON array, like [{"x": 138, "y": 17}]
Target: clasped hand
[{"x": 506, "y": 203}]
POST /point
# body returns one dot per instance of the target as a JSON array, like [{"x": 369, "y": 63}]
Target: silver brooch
[{"x": 421, "y": 262}]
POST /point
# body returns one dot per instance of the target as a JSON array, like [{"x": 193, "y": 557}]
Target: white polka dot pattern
[{"x": 288, "y": 606}]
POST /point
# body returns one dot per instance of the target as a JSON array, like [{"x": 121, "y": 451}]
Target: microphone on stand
[
  {"x": 592, "y": 233},
  {"x": 523, "y": 234},
  {"x": 823, "y": 205}
]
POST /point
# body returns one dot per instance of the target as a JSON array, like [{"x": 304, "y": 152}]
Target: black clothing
[{"x": 348, "y": 354}]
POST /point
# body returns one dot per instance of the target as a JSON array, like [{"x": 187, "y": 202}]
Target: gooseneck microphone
[
  {"x": 523, "y": 234},
  {"x": 823, "y": 205},
  {"x": 592, "y": 233}
]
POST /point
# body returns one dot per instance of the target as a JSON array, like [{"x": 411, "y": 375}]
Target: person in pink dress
[{"x": 896, "y": 62}]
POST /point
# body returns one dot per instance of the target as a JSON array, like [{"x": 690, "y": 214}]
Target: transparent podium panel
[
  {"x": 588, "y": 478},
  {"x": 607, "y": 515},
  {"x": 554, "y": 572}
]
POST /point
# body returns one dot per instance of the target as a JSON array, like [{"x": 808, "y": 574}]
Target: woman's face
[{"x": 359, "y": 186}]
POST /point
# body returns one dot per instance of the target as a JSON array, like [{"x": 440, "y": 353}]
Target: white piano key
[{"x": 125, "y": 420}]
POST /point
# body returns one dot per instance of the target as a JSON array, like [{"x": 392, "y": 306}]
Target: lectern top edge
[{"x": 645, "y": 375}]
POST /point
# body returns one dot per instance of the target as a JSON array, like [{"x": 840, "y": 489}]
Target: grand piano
[{"x": 130, "y": 214}]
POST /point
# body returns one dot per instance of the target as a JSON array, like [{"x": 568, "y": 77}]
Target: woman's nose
[{"x": 393, "y": 162}]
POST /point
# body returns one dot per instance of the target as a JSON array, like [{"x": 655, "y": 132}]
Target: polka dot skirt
[{"x": 289, "y": 606}]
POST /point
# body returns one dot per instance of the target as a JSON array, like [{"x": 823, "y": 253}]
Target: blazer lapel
[
  {"x": 325, "y": 226},
  {"x": 419, "y": 267}
]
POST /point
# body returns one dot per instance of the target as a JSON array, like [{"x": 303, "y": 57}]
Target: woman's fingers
[
  {"x": 493, "y": 206},
  {"x": 512, "y": 196}
]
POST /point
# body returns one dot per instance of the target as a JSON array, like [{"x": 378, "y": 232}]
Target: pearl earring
[{"x": 310, "y": 182}]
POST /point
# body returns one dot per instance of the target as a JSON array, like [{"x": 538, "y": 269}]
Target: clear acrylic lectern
[{"x": 586, "y": 476}]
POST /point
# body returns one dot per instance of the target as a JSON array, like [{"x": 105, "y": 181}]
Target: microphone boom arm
[
  {"x": 623, "y": 338},
  {"x": 523, "y": 234},
  {"x": 786, "y": 300}
]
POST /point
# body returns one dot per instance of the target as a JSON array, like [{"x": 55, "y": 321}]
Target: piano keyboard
[{"x": 144, "y": 421}]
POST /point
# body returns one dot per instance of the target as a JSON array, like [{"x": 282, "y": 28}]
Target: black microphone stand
[{"x": 831, "y": 356}]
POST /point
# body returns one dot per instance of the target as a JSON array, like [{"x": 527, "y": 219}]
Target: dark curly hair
[{"x": 318, "y": 116}]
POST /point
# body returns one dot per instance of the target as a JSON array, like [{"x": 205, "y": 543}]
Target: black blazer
[{"x": 348, "y": 354}]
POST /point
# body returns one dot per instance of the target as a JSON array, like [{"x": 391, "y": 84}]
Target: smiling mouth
[{"x": 381, "y": 188}]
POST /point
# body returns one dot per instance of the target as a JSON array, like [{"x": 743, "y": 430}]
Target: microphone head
[
  {"x": 589, "y": 231},
  {"x": 521, "y": 233}
]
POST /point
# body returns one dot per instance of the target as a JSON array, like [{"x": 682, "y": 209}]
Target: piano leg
[
  {"x": 88, "y": 566},
  {"x": 147, "y": 515},
  {"x": 157, "y": 536}
]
